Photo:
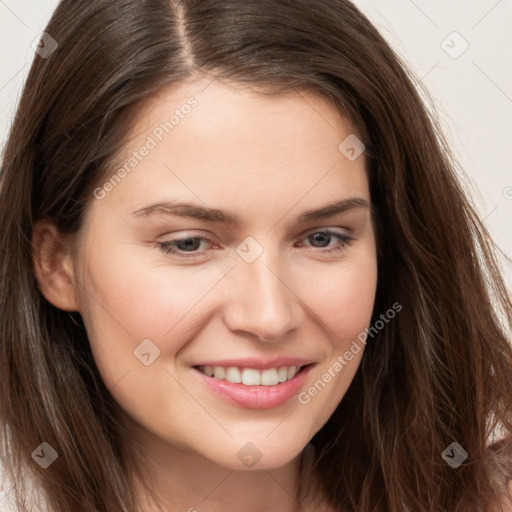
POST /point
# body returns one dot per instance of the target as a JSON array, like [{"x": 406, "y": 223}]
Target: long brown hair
[{"x": 439, "y": 373}]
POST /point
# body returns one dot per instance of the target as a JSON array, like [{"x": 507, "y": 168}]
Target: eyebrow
[{"x": 195, "y": 211}]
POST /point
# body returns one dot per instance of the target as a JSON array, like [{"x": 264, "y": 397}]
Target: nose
[{"x": 261, "y": 300}]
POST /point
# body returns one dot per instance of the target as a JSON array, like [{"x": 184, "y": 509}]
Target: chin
[{"x": 259, "y": 454}]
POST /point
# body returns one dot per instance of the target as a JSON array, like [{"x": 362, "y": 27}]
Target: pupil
[
  {"x": 325, "y": 238},
  {"x": 186, "y": 245}
]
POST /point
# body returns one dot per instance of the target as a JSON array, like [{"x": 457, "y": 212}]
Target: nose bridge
[{"x": 262, "y": 301}]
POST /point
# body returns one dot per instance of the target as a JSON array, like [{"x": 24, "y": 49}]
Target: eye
[
  {"x": 321, "y": 239},
  {"x": 188, "y": 247},
  {"x": 183, "y": 247}
]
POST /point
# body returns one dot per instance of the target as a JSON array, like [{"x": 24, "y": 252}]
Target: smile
[
  {"x": 252, "y": 376},
  {"x": 253, "y": 388}
]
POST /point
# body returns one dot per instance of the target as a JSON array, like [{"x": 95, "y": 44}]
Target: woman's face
[{"x": 231, "y": 270}]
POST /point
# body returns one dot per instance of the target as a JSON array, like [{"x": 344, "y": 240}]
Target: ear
[{"x": 53, "y": 266}]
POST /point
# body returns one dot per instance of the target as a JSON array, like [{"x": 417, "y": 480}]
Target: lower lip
[{"x": 256, "y": 397}]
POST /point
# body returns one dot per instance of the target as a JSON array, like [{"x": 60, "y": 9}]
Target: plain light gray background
[{"x": 471, "y": 87}]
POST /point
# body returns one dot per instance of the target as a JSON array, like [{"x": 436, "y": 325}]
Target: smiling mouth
[{"x": 252, "y": 376}]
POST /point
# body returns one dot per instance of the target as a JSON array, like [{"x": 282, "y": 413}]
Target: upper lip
[{"x": 258, "y": 363}]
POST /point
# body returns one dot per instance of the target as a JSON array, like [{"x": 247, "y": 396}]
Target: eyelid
[
  {"x": 337, "y": 229},
  {"x": 184, "y": 254},
  {"x": 343, "y": 237}
]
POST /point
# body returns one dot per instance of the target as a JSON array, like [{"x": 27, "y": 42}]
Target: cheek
[
  {"x": 144, "y": 298},
  {"x": 127, "y": 299},
  {"x": 342, "y": 297},
  {"x": 130, "y": 298},
  {"x": 350, "y": 309},
  {"x": 344, "y": 304}
]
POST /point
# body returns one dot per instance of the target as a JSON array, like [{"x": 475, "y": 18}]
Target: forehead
[
  {"x": 217, "y": 142},
  {"x": 222, "y": 115}
]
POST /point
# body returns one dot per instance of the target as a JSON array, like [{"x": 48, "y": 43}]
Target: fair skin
[{"x": 266, "y": 160}]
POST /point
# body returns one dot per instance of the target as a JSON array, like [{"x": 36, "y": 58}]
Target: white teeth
[
  {"x": 219, "y": 372},
  {"x": 282, "y": 374},
  {"x": 269, "y": 377},
  {"x": 233, "y": 375},
  {"x": 251, "y": 376},
  {"x": 292, "y": 370}
]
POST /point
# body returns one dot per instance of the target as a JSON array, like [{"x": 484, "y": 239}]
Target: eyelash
[{"x": 168, "y": 246}]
